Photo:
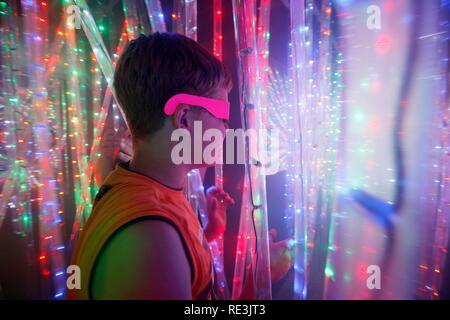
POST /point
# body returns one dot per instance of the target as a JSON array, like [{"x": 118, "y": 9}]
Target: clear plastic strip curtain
[{"x": 252, "y": 262}]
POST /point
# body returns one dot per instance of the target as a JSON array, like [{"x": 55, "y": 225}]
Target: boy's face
[{"x": 211, "y": 122}]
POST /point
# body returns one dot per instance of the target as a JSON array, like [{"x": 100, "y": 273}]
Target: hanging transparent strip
[
  {"x": 51, "y": 259},
  {"x": 155, "y": 15},
  {"x": 190, "y": 19},
  {"x": 95, "y": 40},
  {"x": 9, "y": 88},
  {"x": 134, "y": 28},
  {"x": 263, "y": 36},
  {"x": 221, "y": 285},
  {"x": 84, "y": 208},
  {"x": 295, "y": 210}
]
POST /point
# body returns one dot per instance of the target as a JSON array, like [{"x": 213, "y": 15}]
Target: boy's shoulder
[{"x": 147, "y": 248}]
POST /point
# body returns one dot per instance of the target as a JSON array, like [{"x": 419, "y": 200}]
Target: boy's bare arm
[{"x": 145, "y": 260}]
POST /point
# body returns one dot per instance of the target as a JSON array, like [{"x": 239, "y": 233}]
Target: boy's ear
[{"x": 179, "y": 118}]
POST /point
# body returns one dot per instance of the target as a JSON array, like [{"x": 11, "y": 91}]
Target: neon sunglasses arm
[{"x": 218, "y": 108}]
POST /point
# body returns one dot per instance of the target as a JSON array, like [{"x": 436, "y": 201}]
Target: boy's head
[{"x": 154, "y": 68}]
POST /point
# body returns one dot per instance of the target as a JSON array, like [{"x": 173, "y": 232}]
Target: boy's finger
[
  {"x": 214, "y": 193},
  {"x": 229, "y": 199},
  {"x": 211, "y": 189},
  {"x": 228, "y": 196},
  {"x": 283, "y": 244},
  {"x": 273, "y": 234},
  {"x": 223, "y": 193},
  {"x": 223, "y": 197}
]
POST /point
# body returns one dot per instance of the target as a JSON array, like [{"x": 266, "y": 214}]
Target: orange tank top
[{"x": 126, "y": 196}]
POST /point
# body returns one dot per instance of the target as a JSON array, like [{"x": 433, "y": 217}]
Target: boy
[{"x": 142, "y": 240}]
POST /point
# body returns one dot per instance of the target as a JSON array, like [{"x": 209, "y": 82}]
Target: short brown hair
[{"x": 153, "y": 68}]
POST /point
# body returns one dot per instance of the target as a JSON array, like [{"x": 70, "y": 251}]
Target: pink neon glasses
[{"x": 218, "y": 108}]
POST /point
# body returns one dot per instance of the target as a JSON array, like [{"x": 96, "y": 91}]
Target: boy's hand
[
  {"x": 110, "y": 144},
  {"x": 113, "y": 146},
  {"x": 281, "y": 256},
  {"x": 217, "y": 202},
  {"x": 116, "y": 146}
]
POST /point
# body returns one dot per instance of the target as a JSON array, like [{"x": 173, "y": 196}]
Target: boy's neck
[{"x": 152, "y": 158}]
